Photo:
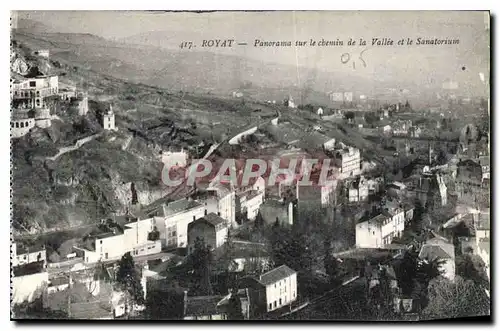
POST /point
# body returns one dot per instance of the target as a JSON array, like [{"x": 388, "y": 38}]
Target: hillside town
[{"x": 399, "y": 232}]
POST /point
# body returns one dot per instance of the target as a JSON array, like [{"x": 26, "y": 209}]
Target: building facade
[
  {"x": 380, "y": 230},
  {"x": 211, "y": 228},
  {"x": 348, "y": 160}
]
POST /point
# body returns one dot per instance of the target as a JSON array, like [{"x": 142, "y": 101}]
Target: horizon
[{"x": 407, "y": 66}]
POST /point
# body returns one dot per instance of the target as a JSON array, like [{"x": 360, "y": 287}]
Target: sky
[{"x": 427, "y": 65}]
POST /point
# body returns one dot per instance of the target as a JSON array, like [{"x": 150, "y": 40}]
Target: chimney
[{"x": 194, "y": 218}]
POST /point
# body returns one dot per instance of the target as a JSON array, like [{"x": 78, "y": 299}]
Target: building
[
  {"x": 431, "y": 190},
  {"x": 272, "y": 290},
  {"x": 203, "y": 308},
  {"x": 42, "y": 118},
  {"x": 33, "y": 90},
  {"x": 357, "y": 190},
  {"x": 320, "y": 111},
  {"x": 226, "y": 202},
  {"x": 415, "y": 132},
  {"x": 380, "y": 230},
  {"x": 177, "y": 159},
  {"x": 401, "y": 128},
  {"x": 329, "y": 145},
  {"x": 23, "y": 254},
  {"x": 45, "y": 53},
  {"x": 248, "y": 203},
  {"x": 174, "y": 218},
  {"x": 348, "y": 160},
  {"x": 438, "y": 248},
  {"x": 211, "y": 228},
  {"x": 83, "y": 105},
  {"x": 21, "y": 125},
  {"x": 483, "y": 243},
  {"x": 243, "y": 296},
  {"x": 113, "y": 240},
  {"x": 290, "y": 103},
  {"x": 28, "y": 282},
  {"x": 108, "y": 119},
  {"x": 273, "y": 210}
]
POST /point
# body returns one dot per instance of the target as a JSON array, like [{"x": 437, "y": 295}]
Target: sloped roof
[
  {"x": 276, "y": 275},
  {"x": 91, "y": 310},
  {"x": 212, "y": 219},
  {"x": 437, "y": 248},
  {"x": 202, "y": 306}
]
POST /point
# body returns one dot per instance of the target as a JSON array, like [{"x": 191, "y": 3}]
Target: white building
[
  {"x": 170, "y": 158},
  {"x": 274, "y": 289},
  {"x": 226, "y": 204},
  {"x": 45, "y": 53},
  {"x": 108, "y": 119},
  {"x": 20, "y": 127},
  {"x": 114, "y": 243},
  {"x": 35, "y": 89},
  {"x": 380, "y": 230},
  {"x": 21, "y": 254},
  {"x": 174, "y": 218},
  {"x": 348, "y": 160},
  {"x": 211, "y": 228},
  {"x": 437, "y": 248},
  {"x": 248, "y": 203},
  {"x": 83, "y": 105},
  {"x": 320, "y": 111},
  {"x": 358, "y": 190},
  {"x": 329, "y": 145}
]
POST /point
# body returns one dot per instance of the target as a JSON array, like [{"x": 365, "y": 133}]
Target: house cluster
[
  {"x": 379, "y": 231},
  {"x": 268, "y": 293},
  {"x": 32, "y": 94}
]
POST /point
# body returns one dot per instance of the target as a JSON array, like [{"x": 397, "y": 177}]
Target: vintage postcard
[{"x": 272, "y": 165}]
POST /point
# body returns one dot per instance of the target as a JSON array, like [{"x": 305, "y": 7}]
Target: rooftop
[
  {"x": 28, "y": 269},
  {"x": 275, "y": 275},
  {"x": 437, "y": 248},
  {"x": 23, "y": 249},
  {"x": 201, "y": 306},
  {"x": 178, "y": 206},
  {"x": 212, "y": 219}
]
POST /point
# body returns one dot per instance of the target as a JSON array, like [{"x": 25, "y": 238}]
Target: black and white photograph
[{"x": 250, "y": 165}]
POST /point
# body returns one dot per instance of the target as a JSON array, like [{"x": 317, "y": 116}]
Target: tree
[
  {"x": 461, "y": 298},
  {"x": 234, "y": 311},
  {"x": 129, "y": 281},
  {"x": 201, "y": 260},
  {"x": 349, "y": 115},
  {"x": 472, "y": 269},
  {"x": 330, "y": 263},
  {"x": 259, "y": 221}
]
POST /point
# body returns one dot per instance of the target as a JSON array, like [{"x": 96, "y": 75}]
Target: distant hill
[{"x": 189, "y": 71}]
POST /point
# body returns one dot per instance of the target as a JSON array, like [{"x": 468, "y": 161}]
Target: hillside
[
  {"x": 94, "y": 180},
  {"x": 194, "y": 71}
]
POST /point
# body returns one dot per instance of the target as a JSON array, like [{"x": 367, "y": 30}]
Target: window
[
  {"x": 22, "y": 124},
  {"x": 11, "y": 124},
  {"x": 17, "y": 124},
  {"x": 274, "y": 303},
  {"x": 100, "y": 242},
  {"x": 27, "y": 124},
  {"x": 32, "y": 84},
  {"x": 280, "y": 302},
  {"x": 24, "y": 257},
  {"x": 106, "y": 256},
  {"x": 294, "y": 294},
  {"x": 270, "y": 306},
  {"x": 274, "y": 285}
]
